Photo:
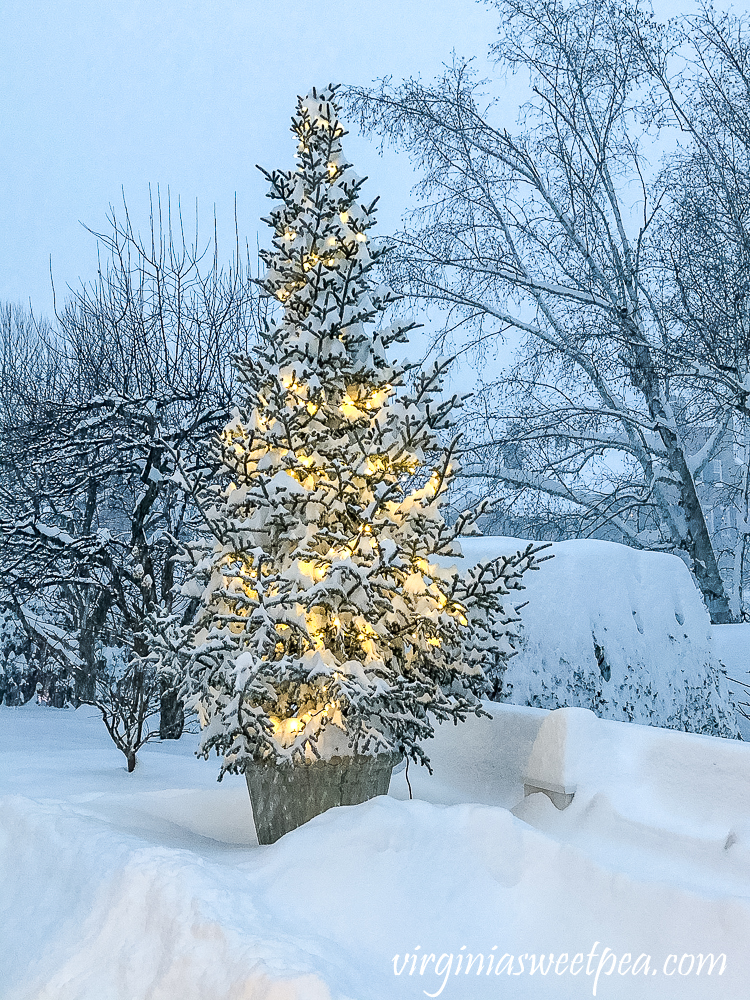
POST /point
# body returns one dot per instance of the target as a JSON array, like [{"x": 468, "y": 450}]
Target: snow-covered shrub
[
  {"x": 620, "y": 631},
  {"x": 127, "y": 693},
  {"x": 326, "y": 624}
]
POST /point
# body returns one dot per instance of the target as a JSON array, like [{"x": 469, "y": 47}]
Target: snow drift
[{"x": 619, "y": 631}]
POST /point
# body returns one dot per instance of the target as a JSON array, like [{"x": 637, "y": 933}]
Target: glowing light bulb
[{"x": 344, "y": 216}]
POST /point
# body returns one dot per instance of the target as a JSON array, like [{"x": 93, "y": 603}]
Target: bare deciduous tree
[
  {"x": 554, "y": 232},
  {"x": 703, "y": 247},
  {"x": 91, "y": 511}
]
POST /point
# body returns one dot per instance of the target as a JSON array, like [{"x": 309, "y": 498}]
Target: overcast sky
[{"x": 98, "y": 97}]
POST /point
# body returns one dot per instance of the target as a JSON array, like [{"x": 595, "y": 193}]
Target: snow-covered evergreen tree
[{"x": 326, "y": 623}]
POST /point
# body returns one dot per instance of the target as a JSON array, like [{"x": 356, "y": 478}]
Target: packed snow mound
[
  {"x": 619, "y": 631},
  {"x": 694, "y": 785}
]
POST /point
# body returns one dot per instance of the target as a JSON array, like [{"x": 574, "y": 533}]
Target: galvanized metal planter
[{"x": 284, "y": 798}]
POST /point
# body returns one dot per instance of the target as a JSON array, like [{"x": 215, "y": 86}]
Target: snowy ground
[{"x": 151, "y": 885}]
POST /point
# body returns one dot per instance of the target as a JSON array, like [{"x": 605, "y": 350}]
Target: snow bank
[
  {"x": 690, "y": 784},
  {"x": 622, "y": 632},
  {"x": 151, "y": 885},
  {"x": 108, "y": 885}
]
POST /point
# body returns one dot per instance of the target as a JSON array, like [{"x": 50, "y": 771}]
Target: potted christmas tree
[{"x": 328, "y": 637}]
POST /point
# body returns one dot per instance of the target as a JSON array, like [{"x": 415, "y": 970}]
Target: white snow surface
[
  {"x": 151, "y": 885},
  {"x": 648, "y": 619},
  {"x": 732, "y": 646}
]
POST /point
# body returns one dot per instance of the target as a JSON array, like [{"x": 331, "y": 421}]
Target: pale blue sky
[
  {"x": 191, "y": 95},
  {"x": 100, "y": 96}
]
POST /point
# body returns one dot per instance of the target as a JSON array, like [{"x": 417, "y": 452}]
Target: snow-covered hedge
[{"x": 622, "y": 632}]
